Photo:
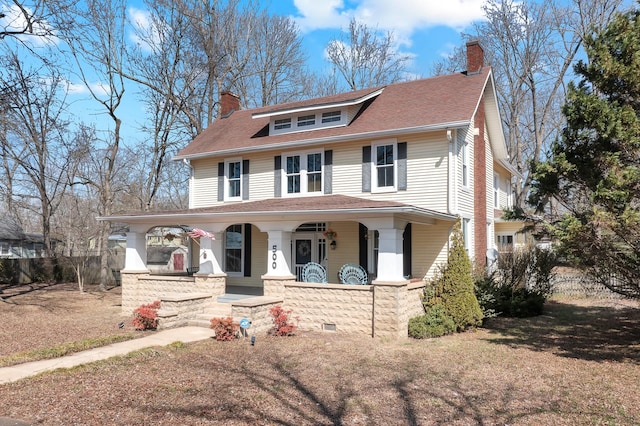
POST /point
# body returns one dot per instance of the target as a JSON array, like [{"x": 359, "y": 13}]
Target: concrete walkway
[{"x": 160, "y": 338}]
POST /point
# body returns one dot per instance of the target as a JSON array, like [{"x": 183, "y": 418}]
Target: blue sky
[{"x": 426, "y": 30}]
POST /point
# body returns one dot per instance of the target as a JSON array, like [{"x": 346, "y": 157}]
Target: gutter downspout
[{"x": 452, "y": 187}]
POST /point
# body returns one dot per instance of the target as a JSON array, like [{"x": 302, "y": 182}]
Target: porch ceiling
[{"x": 321, "y": 208}]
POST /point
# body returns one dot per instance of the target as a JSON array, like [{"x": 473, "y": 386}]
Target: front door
[{"x": 307, "y": 247}]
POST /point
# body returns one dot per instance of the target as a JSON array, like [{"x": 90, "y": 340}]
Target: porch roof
[{"x": 320, "y": 208}]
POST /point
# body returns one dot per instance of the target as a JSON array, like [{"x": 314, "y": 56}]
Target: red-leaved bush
[
  {"x": 225, "y": 328},
  {"x": 145, "y": 317},
  {"x": 281, "y": 324}
]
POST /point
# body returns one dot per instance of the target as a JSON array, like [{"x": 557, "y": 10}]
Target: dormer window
[
  {"x": 301, "y": 117},
  {"x": 306, "y": 120},
  {"x": 331, "y": 116},
  {"x": 282, "y": 124}
]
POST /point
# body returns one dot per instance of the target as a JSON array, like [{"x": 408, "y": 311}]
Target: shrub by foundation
[
  {"x": 145, "y": 317},
  {"x": 225, "y": 328},
  {"x": 434, "y": 323},
  {"x": 281, "y": 324}
]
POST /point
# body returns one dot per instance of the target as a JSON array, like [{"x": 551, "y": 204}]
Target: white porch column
[
  {"x": 279, "y": 254},
  {"x": 136, "y": 252},
  {"x": 211, "y": 255},
  {"x": 390, "y": 255}
]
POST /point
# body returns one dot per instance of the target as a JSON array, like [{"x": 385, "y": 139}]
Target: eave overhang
[{"x": 329, "y": 139}]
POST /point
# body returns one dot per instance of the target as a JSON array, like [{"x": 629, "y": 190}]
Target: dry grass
[{"x": 577, "y": 364}]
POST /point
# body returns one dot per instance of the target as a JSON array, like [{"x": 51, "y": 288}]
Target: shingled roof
[{"x": 413, "y": 106}]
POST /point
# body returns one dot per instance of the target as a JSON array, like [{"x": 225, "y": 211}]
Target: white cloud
[
  {"x": 403, "y": 17},
  {"x": 98, "y": 88},
  {"x": 314, "y": 14},
  {"x": 145, "y": 33},
  {"x": 14, "y": 20}
]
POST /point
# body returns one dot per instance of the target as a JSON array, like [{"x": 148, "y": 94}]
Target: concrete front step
[
  {"x": 218, "y": 310},
  {"x": 204, "y": 320}
]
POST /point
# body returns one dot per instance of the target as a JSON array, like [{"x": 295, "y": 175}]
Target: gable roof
[{"x": 410, "y": 107}]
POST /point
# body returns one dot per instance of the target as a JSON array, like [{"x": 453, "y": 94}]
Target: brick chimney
[
  {"x": 475, "y": 57},
  {"x": 229, "y": 103}
]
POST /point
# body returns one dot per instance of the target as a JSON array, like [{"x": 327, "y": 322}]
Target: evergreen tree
[
  {"x": 593, "y": 175},
  {"x": 453, "y": 288}
]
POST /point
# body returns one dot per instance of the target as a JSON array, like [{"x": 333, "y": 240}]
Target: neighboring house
[
  {"x": 389, "y": 170},
  {"x": 16, "y": 244}
]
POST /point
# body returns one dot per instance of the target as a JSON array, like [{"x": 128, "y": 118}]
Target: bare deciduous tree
[
  {"x": 19, "y": 18},
  {"x": 96, "y": 40},
  {"x": 531, "y": 46},
  {"x": 35, "y": 145},
  {"x": 366, "y": 59}
]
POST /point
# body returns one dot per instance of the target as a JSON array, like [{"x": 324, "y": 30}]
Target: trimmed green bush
[
  {"x": 434, "y": 323},
  {"x": 453, "y": 288}
]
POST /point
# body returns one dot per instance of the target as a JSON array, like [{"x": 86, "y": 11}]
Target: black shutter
[
  {"x": 363, "y": 249},
  {"x": 245, "y": 179},
  {"x": 247, "y": 249},
  {"x": 402, "y": 166},
  {"x": 366, "y": 169},
  {"x": 277, "y": 176},
  {"x": 406, "y": 250},
  {"x": 220, "y": 181},
  {"x": 328, "y": 172}
]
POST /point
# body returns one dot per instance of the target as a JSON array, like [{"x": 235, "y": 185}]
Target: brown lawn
[{"x": 579, "y": 363}]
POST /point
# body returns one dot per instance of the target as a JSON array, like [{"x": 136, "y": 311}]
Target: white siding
[
  {"x": 489, "y": 189},
  {"x": 259, "y": 243},
  {"x": 427, "y": 174},
  {"x": 429, "y": 246},
  {"x": 205, "y": 183}
]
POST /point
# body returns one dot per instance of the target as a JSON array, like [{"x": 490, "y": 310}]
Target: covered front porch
[{"x": 261, "y": 251}]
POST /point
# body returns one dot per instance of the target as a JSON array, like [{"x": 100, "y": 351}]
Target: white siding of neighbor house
[{"x": 511, "y": 228}]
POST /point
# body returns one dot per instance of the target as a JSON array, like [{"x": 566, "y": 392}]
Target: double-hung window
[
  {"x": 385, "y": 156},
  {"x": 303, "y": 173},
  {"x": 233, "y": 182},
  {"x": 293, "y": 174}
]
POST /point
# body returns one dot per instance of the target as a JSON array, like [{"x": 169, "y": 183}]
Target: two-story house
[{"x": 375, "y": 177}]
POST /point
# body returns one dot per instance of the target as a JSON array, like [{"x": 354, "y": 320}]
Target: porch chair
[
  {"x": 314, "y": 273},
  {"x": 353, "y": 274}
]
